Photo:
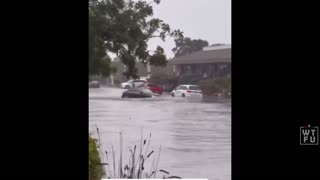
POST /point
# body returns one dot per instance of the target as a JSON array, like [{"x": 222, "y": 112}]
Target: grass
[{"x": 135, "y": 166}]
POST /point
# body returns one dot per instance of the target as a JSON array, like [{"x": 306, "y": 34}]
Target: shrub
[
  {"x": 213, "y": 86},
  {"x": 95, "y": 166}
]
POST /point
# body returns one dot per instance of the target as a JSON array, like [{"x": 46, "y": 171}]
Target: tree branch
[
  {"x": 154, "y": 36},
  {"x": 165, "y": 34}
]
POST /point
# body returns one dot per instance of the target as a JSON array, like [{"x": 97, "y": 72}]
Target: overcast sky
[{"x": 198, "y": 19}]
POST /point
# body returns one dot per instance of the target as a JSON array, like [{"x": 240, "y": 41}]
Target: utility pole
[
  {"x": 149, "y": 69},
  {"x": 111, "y": 78}
]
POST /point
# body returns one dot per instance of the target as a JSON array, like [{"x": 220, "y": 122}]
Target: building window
[
  {"x": 187, "y": 69},
  {"x": 222, "y": 66}
]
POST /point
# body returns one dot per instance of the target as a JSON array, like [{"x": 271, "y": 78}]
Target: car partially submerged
[
  {"x": 94, "y": 84},
  {"x": 137, "y": 93}
]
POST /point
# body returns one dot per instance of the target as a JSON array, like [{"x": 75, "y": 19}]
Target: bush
[
  {"x": 95, "y": 166},
  {"x": 215, "y": 86}
]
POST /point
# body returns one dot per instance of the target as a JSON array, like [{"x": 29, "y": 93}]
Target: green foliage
[
  {"x": 186, "y": 46},
  {"x": 99, "y": 62},
  {"x": 95, "y": 168},
  {"x": 214, "y": 86},
  {"x": 123, "y": 27},
  {"x": 158, "y": 58}
]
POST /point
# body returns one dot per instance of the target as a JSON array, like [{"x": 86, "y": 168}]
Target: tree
[
  {"x": 99, "y": 61},
  {"x": 124, "y": 27},
  {"x": 186, "y": 46}
]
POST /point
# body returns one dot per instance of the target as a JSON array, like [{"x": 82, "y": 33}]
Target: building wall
[{"x": 207, "y": 70}]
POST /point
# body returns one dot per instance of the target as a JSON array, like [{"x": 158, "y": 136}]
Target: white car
[
  {"x": 187, "y": 91},
  {"x": 129, "y": 84}
]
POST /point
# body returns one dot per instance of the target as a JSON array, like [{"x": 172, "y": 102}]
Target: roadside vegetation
[
  {"x": 143, "y": 162},
  {"x": 123, "y": 28},
  {"x": 96, "y": 171},
  {"x": 216, "y": 87}
]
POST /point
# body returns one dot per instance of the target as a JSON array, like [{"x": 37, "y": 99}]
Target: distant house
[{"x": 212, "y": 62}]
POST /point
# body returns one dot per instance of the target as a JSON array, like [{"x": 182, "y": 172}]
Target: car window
[
  {"x": 194, "y": 87},
  {"x": 178, "y": 87},
  {"x": 183, "y": 88},
  {"x": 139, "y": 81}
]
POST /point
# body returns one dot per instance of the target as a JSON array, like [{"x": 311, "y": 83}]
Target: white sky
[
  {"x": 209, "y": 20},
  {"x": 198, "y": 19}
]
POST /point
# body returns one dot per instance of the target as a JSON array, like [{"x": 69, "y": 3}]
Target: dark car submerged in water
[
  {"x": 94, "y": 84},
  {"x": 137, "y": 93}
]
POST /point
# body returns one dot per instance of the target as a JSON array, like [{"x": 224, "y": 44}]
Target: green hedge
[
  {"x": 96, "y": 171},
  {"x": 215, "y": 86}
]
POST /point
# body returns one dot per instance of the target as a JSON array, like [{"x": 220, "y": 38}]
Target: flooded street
[{"x": 195, "y": 136}]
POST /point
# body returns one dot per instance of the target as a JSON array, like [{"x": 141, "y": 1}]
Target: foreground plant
[
  {"x": 95, "y": 169},
  {"x": 135, "y": 166}
]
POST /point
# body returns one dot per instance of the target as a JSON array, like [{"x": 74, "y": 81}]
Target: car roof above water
[
  {"x": 188, "y": 85},
  {"x": 137, "y": 89}
]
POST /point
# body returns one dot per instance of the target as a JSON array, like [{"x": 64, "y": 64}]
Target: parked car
[
  {"x": 144, "y": 78},
  {"x": 137, "y": 93},
  {"x": 94, "y": 84},
  {"x": 154, "y": 88},
  {"x": 187, "y": 91},
  {"x": 129, "y": 84}
]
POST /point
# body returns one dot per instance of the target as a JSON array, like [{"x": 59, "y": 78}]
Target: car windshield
[
  {"x": 194, "y": 87},
  {"x": 147, "y": 91}
]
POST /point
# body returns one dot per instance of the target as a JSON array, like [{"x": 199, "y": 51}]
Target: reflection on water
[{"x": 195, "y": 137}]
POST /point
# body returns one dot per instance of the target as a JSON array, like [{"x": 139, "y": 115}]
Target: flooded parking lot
[{"x": 194, "y": 135}]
